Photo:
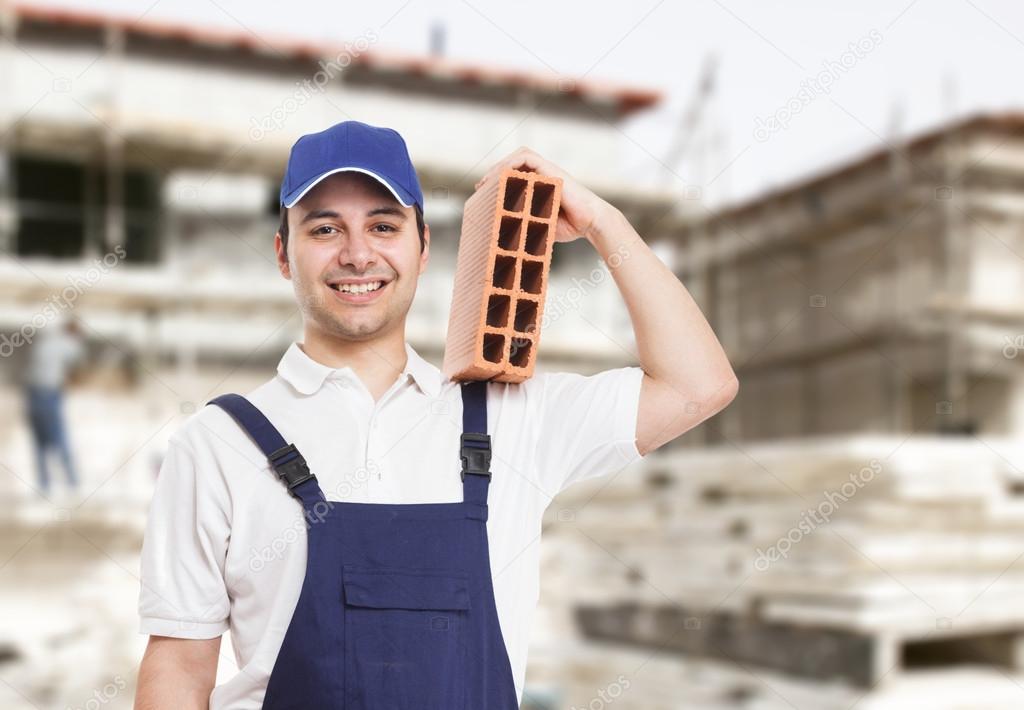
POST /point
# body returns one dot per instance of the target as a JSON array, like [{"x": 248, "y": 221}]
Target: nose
[{"x": 356, "y": 251}]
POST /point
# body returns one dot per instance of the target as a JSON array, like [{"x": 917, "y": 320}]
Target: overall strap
[
  {"x": 284, "y": 458},
  {"x": 475, "y": 443}
]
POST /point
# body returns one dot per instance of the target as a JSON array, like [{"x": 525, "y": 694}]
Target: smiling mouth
[{"x": 358, "y": 289}]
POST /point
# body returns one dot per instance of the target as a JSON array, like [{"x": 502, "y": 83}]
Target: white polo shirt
[{"x": 225, "y": 544}]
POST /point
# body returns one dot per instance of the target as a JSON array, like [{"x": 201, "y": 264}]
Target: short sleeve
[
  {"x": 586, "y": 424},
  {"x": 183, "y": 592}
]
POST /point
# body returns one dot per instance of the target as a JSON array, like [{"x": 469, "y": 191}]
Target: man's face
[{"x": 347, "y": 234}]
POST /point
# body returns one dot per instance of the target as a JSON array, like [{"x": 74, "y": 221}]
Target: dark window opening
[{"x": 62, "y": 210}]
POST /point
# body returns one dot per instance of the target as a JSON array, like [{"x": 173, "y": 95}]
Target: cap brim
[{"x": 400, "y": 193}]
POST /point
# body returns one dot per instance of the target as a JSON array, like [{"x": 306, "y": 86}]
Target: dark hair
[{"x": 283, "y": 227}]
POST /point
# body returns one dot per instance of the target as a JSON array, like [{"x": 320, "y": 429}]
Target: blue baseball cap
[{"x": 351, "y": 146}]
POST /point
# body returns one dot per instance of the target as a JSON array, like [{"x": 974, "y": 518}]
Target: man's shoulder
[
  {"x": 561, "y": 390},
  {"x": 545, "y": 380},
  {"x": 530, "y": 390}
]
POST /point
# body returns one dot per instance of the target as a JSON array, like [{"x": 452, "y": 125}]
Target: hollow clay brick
[{"x": 501, "y": 277}]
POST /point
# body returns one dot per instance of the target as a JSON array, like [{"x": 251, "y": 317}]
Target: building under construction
[{"x": 879, "y": 296}]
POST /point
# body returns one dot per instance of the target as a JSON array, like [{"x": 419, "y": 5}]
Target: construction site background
[{"x": 848, "y": 533}]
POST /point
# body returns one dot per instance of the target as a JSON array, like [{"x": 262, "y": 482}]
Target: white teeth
[{"x": 360, "y": 288}]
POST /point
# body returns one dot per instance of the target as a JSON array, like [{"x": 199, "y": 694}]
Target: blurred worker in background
[{"x": 58, "y": 349}]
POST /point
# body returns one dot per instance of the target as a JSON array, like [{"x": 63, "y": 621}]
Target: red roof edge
[{"x": 626, "y": 98}]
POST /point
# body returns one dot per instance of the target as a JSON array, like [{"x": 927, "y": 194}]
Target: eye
[
  {"x": 324, "y": 229},
  {"x": 386, "y": 227}
]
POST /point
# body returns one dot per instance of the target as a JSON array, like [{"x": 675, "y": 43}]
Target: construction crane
[{"x": 694, "y": 115}]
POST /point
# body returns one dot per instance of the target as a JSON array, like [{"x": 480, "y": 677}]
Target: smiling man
[{"x": 366, "y": 529}]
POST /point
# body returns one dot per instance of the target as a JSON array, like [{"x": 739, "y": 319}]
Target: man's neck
[{"x": 377, "y": 363}]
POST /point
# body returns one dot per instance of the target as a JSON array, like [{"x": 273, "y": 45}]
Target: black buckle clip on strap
[
  {"x": 290, "y": 466},
  {"x": 476, "y": 454}
]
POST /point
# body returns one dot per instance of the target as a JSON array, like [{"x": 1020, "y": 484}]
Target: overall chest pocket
[{"x": 405, "y": 638}]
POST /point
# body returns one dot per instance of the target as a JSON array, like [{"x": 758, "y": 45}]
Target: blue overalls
[{"x": 397, "y": 605}]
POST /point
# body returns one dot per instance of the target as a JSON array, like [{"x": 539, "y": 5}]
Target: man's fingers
[
  {"x": 520, "y": 159},
  {"x": 495, "y": 169}
]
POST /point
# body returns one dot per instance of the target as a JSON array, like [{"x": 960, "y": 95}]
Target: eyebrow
[
  {"x": 331, "y": 214},
  {"x": 386, "y": 210}
]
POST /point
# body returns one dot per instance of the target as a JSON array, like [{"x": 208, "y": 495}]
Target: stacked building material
[
  {"x": 609, "y": 677},
  {"x": 833, "y": 561},
  {"x": 508, "y": 231}
]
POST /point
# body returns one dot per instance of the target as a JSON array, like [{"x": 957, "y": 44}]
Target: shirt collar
[{"x": 307, "y": 375}]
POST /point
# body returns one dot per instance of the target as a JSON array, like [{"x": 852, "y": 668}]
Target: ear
[
  {"x": 425, "y": 256},
  {"x": 282, "y": 257}
]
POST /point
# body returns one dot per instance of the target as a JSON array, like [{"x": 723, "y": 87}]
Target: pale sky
[{"x": 923, "y": 60}]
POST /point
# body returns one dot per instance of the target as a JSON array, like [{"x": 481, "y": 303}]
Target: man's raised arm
[{"x": 687, "y": 377}]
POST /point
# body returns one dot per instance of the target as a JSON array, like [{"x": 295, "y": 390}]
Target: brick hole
[
  {"x": 543, "y": 199},
  {"x": 498, "y": 308},
  {"x": 536, "y": 238},
  {"x": 520, "y": 355},
  {"x": 515, "y": 194},
  {"x": 526, "y": 316},
  {"x": 532, "y": 276},
  {"x": 508, "y": 233},
  {"x": 494, "y": 347},
  {"x": 504, "y": 272}
]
